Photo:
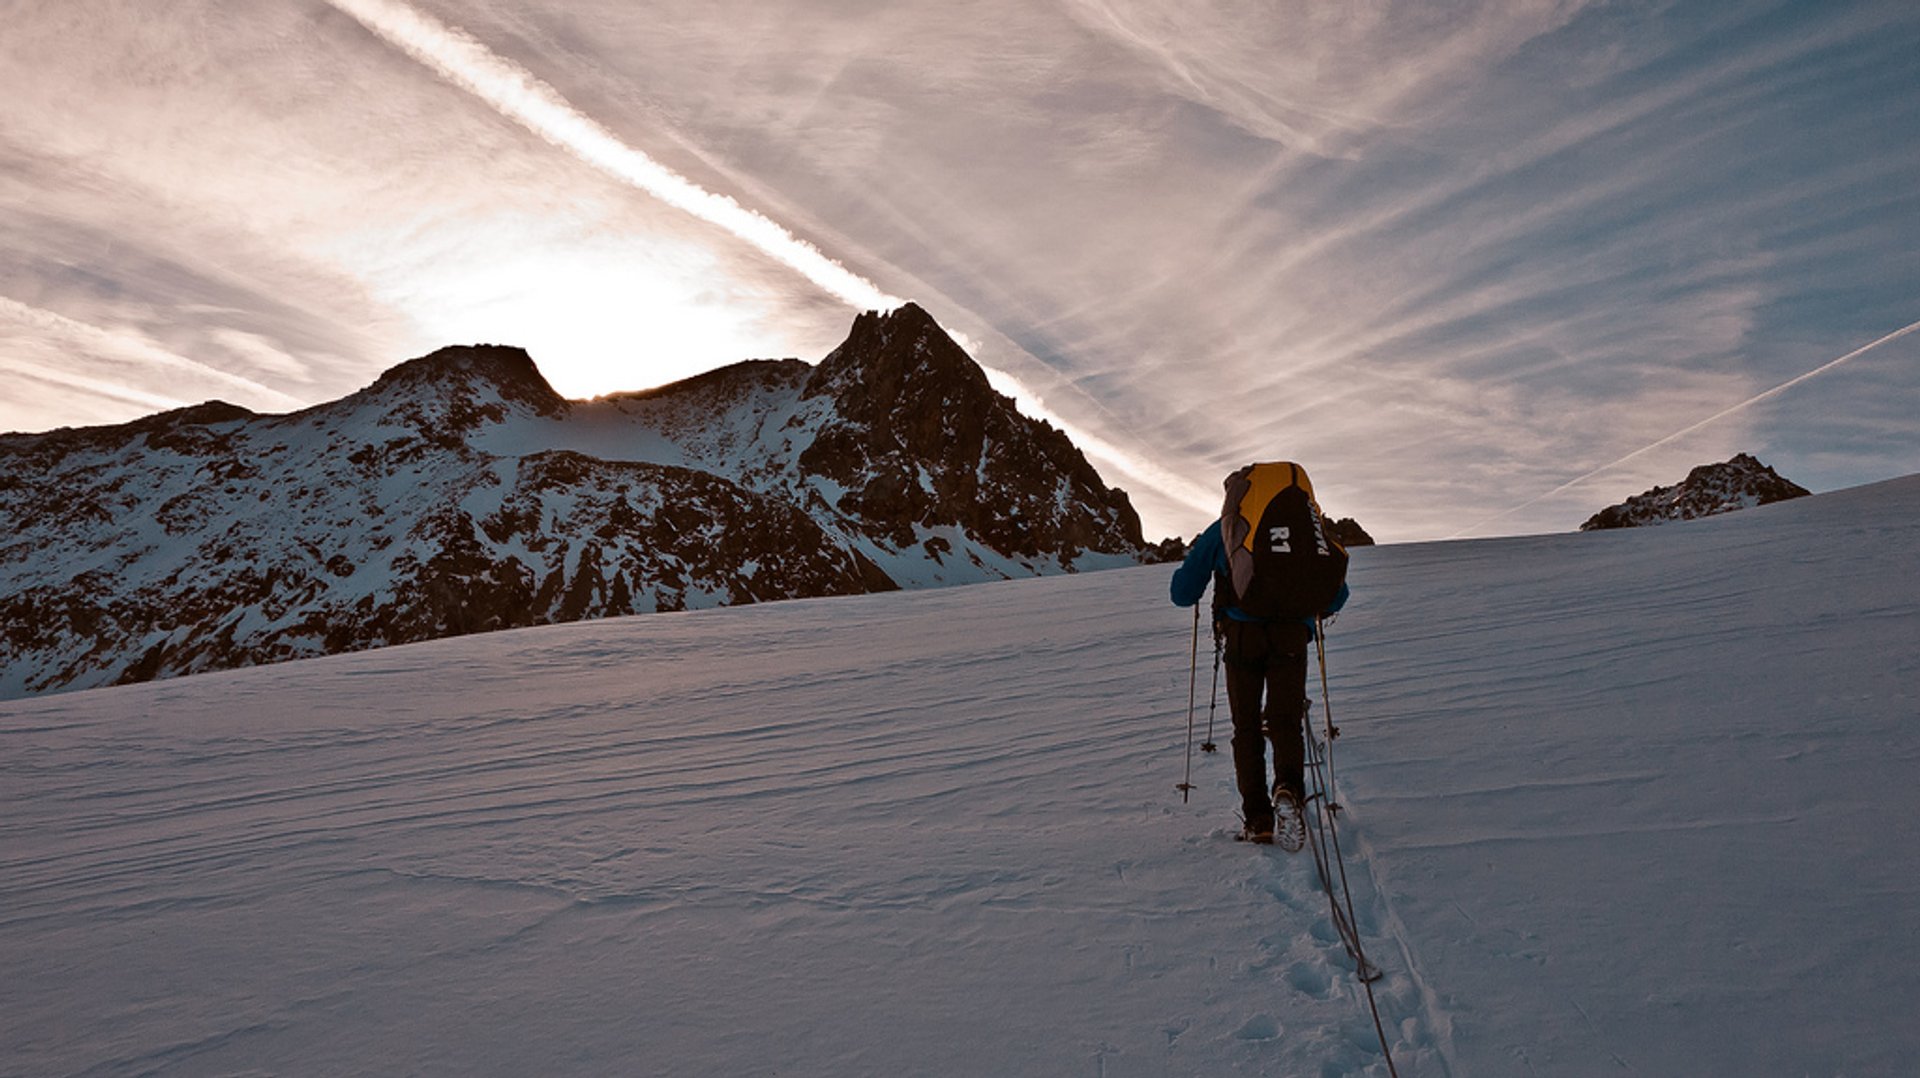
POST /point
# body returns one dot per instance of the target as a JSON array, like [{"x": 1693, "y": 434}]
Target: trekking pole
[
  {"x": 1213, "y": 700},
  {"x": 1193, "y": 678},
  {"x": 1326, "y": 705}
]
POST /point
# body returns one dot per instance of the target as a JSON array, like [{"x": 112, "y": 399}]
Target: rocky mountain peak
[
  {"x": 891, "y": 357},
  {"x": 202, "y": 414},
  {"x": 467, "y": 372},
  {"x": 919, "y": 441},
  {"x": 1710, "y": 489}
]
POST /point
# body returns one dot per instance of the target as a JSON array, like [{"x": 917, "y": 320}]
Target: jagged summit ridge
[
  {"x": 887, "y": 352},
  {"x": 1708, "y": 490},
  {"x": 460, "y": 493},
  {"x": 922, "y": 442}
]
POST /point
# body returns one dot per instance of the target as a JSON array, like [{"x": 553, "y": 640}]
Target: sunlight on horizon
[{"x": 599, "y": 313}]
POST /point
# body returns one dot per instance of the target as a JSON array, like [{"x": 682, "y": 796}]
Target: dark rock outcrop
[
  {"x": 1168, "y": 551},
  {"x": 1710, "y": 489},
  {"x": 920, "y": 442},
  {"x": 1348, "y": 533}
]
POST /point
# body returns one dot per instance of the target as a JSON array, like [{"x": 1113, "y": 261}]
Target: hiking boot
[
  {"x": 1260, "y": 831},
  {"x": 1291, "y": 819}
]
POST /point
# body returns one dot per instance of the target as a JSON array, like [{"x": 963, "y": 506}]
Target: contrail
[
  {"x": 1677, "y": 435},
  {"x": 134, "y": 347},
  {"x": 515, "y": 93}
]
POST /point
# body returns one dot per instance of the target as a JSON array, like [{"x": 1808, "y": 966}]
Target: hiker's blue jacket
[{"x": 1208, "y": 556}]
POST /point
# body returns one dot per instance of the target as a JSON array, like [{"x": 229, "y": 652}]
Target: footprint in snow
[
  {"x": 1310, "y": 979},
  {"x": 1261, "y": 1027}
]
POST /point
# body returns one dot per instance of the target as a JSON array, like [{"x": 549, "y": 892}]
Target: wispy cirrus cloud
[
  {"x": 1452, "y": 260},
  {"x": 119, "y": 365},
  {"x": 1321, "y": 75}
]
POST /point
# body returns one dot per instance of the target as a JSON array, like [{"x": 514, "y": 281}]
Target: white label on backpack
[{"x": 1280, "y": 535}]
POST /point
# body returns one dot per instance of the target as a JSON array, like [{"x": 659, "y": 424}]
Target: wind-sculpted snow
[
  {"x": 460, "y": 494},
  {"x": 1633, "y": 801}
]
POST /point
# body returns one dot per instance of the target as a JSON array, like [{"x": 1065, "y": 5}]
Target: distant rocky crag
[
  {"x": 1740, "y": 483},
  {"x": 459, "y": 493},
  {"x": 1348, "y": 533}
]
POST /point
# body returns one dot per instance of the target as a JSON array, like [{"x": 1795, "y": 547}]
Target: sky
[{"x": 1484, "y": 268}]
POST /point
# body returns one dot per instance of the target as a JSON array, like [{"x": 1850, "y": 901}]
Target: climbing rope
[{"x": 1324, "y": 838}]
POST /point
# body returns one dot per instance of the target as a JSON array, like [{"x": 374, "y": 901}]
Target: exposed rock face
[
  {"x": 1169, "y": 551},
  {"x": 1348, "y": 533},
  {"x": 1710, "y": 489},
  {"x": 459, "y": 493},
  {"x": 922, "y": 444}
]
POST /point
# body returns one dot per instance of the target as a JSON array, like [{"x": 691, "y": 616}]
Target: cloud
[
  {"x": 512, "y": 90},
  {"x": 1448, "y": 256},
  {"x": 95, "y": 401},
  {"x": 117, "y": 365},
  {"x": 310, "y": 204},
  {"x": 1321, "y": 75}
]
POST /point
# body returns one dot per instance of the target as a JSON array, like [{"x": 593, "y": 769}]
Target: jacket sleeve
[{"x": 1196, "y": 572}]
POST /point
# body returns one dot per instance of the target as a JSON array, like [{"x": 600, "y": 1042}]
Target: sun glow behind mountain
[{"x": 600, "y": 311}]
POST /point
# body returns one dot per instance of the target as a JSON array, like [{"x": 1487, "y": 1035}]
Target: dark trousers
[{"x": 1267, "y": 694}]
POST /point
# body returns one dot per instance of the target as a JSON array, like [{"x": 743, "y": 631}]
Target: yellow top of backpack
[{"x": 1263, "y": 481}]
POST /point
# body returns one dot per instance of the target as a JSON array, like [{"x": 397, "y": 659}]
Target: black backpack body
[{"x": 1281, "y": 563}]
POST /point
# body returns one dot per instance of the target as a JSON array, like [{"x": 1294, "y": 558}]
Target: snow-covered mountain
[
  {"x": 460, "y": 493},
  {"x": 1628, "y": 802},
  {"x": 1740, "y": 483}
]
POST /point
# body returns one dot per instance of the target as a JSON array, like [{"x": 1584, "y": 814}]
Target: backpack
[{"x": 1281, "y": 563}]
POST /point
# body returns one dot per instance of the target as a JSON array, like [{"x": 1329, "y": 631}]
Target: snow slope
[{"x": 1637, "y": 801}]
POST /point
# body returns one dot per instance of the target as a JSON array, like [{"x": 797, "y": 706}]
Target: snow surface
[{"x": 1623, "y": 802}]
